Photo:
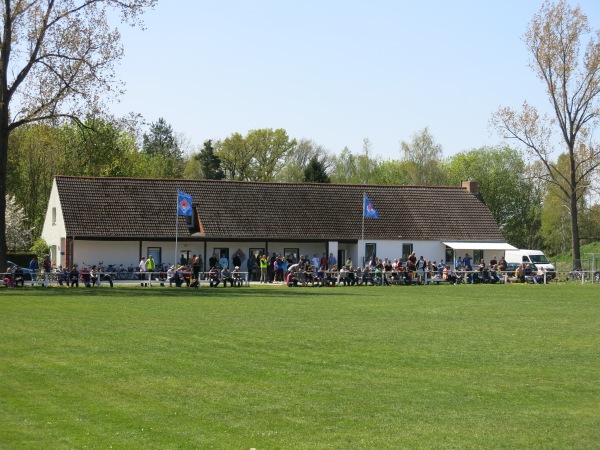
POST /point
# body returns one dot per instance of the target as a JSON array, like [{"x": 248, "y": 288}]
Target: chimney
[{"x": 470, "y": 186}]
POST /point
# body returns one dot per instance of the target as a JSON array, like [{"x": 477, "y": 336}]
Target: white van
[{"x": 535, "y": 257}]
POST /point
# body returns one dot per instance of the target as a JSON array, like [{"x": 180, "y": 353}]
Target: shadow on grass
[{"x": 183, "y": 292}]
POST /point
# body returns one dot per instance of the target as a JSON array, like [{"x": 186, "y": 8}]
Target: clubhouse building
[{"x": 119, "y": 220}]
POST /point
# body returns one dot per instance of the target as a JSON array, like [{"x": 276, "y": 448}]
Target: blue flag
[
  {"x": 370, "y": 212},
  {"x": 184, "y": 204}
]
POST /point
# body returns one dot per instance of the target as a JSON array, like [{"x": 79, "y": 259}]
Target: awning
[{"x": 477, "y": 245}]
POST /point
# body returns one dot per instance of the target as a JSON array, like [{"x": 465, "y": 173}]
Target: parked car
[{"x": 26, "y": 271}]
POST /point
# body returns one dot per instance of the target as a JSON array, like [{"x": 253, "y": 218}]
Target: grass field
[{"x": 514, "y": 366}]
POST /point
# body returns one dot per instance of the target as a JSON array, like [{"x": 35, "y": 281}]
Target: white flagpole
[
  {"x": 363, "y": 214},
  {"x": 363, "y": 226},
  {"x": 176, "y": 228}
]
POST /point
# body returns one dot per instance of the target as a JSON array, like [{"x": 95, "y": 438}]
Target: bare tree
[
  {"x": 56, "y": 61},
  {"x": 554, "y": 39}
]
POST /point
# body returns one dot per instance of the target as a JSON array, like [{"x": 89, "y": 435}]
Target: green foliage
[
  {"x": 299, "y": 157},
  {"x": 41, "y": 248},
  {"x": 259, "y": 156},
  {"x": 423, "y": 158},
  {"x": 512, "y": 199},
  {"x": 344, "y": 167},
  {"x": 164, "y": 157},
  {"x": 266, "y": 367},
  {"x": 315, "y": 172},
  {"x": 210, "y": 164},
  {"x": 38, "y": 152}
]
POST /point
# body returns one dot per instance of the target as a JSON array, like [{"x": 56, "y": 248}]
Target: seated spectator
[
  {"x": 292, "y": 279},
  {"x": 93, "y": 275},
  {"x": 226, "y": 276},
  {"x": 449, "y": 275},
  {"x": 213, "y": 277},
  {"x": 237, "y": 276},
  {"x": 539, "y": 276},
  {"x": 74, "y": 277},
  {"x": 171, "y": 275},
  {"x": 8, "y": 278},
  {"x": 63, "y": 277},
  {"x": 85, "y": 277},
  {"x": 18, "y": 277}
]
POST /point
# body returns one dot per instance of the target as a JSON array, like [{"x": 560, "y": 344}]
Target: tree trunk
[
  {"x": 575, "y": 246},
  {"x": 3, "y": 173}
]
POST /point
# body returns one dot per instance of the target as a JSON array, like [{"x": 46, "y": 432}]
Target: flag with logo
[
  {"x": 370, "y": 212},
  {"x": 184, "y": 204}
]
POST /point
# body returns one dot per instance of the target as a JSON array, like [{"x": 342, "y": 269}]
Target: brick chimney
[{"x": 470, "y": 186}]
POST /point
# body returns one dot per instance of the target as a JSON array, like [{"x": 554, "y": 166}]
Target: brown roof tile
[{"x": 146, "y": 208}]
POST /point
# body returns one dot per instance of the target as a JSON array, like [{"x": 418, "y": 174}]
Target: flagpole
[
  {"x": 363, "y": 226},
  {"x": 363, "y": 215},
  {"x": 176, "y": 227}
]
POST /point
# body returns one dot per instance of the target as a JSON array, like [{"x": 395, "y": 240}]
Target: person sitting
[
  {"x": 171, "y": 275},
  {"x": 226, "y": 276},
  {"x": 63, "y": 277},
  {"x": 343, "y": 276},
  {"x": 85, "y": 277},
  {"x": 449, "y": 275},
  {"x": 291, "y": 279},
  {"x": 539, "y": 276},
  {"x": 237, "y": 276},
  {"x": 213, "y": 277},
  {"x": 8, "y": 278},
  {"x": 74, "y": 277},
  {"x": 94, "y": 275}
]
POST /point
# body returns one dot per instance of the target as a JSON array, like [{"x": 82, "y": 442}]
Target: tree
[
  {"x": 259, "y": 156},
  {"x": 315, "y": 172},
  {"x": 56, "y": 61},
  {"x": 511, "y": 197},
  {"x": 269, "y": 148},
  {"x": 344, "y": 167},
  {"x": 18, "y": 235},
  {"x": 236, "y": 157},
  {"x": 210, "y": 164},
  {"x": 163, "y": 151},
  {"x": 554, "y": 39},
  {"x": 424, "y": 159},
  {"x": 299, "y": 157}
]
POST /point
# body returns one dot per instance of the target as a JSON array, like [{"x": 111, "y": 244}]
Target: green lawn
[{"x": 514, "y": 366}]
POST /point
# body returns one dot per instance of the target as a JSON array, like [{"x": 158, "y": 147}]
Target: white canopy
[{"x": 476, "y": 245}]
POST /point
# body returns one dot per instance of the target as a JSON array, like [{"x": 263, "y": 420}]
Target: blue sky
[{"x": 334, "y": 72}]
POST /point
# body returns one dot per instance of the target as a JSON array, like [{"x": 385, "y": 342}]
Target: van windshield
[{"x": 541, "y": 259}]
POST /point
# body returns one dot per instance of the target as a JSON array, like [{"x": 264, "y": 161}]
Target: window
[
  {"x": 477, "y": 256},
  {"x": 407, "y": 249},
  {"x": 291, "y": 254},
  {"x": 449, "y": 259},
  {"x": 54, "y": 216},
  {"x": 222, "y": 253},
  {"x": 370, "y": 251},
  {"x": 155, "y": 252},
  {"x": 256, "y": 252},
  {"x": 184, "y": 257}
]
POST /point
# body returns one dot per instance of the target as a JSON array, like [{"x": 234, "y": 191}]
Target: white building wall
[
  {"x": 53, "y": 232},
  {"x": 430, "y": 250},
  {"x": 90, "y": 253}
]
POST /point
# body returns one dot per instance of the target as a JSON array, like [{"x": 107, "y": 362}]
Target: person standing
[
  {"x": 264, "y": 264},
  {"x": 331, "y": 262},
  {"x": 150, "y": 264},
  {"x": 142, "y": 267},
  {"x": 224, "y": 262},
  {"x": 47, "y": 264},
  {"x": 34, "y": 268},
  {"x": 250, "y": 267}
]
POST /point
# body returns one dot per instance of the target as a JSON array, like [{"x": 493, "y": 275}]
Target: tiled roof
[{"x": 146, "y": 208}]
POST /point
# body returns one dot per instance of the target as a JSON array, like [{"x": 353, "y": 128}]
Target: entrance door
[{"x": 341, "y": 258}]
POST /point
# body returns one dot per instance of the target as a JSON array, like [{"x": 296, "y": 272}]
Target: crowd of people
[{"x": 305, "y": 270}]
